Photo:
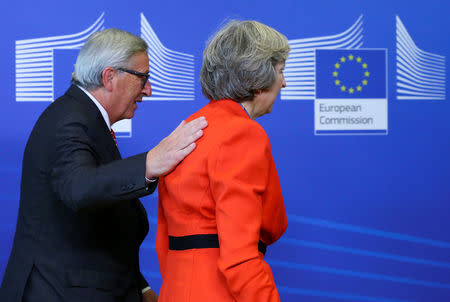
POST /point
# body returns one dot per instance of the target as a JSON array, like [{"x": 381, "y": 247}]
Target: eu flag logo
[
  {"x": 350, "y": 73},
  {"x": 351, "y": 92}
]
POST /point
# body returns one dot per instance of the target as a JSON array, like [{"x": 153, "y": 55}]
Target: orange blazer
[{"x": 227, "y": 186}]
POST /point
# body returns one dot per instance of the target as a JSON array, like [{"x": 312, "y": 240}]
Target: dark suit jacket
[{"x": 80, "y": 223}]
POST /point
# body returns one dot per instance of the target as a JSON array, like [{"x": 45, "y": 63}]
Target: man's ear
[{"x": 108, "y": 75}]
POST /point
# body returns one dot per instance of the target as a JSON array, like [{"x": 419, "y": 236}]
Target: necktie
[{"x": 114, "y": 136}]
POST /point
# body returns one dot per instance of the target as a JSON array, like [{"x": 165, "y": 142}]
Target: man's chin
[
  {"x": 131, "y": 113},
  {"x": 127, "y": 116}
]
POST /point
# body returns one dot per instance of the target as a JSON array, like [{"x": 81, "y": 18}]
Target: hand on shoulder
[{"x": 174, "y": 148}]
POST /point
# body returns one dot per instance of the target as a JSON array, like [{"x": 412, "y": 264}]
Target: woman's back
[{"x": 227, "y": 186}]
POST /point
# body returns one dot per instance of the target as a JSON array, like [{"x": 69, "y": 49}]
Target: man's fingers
[
  {"x": 185, "y": 152},
  {"x": 188, "y": 140},
  {"x": 187, "y": 129},
  {"x": 174, "y": 148},
  {"x": 183, "y": 122},
  {"x": 195, "y": 125},
  {"x": 192, "y": 131},
  {"x": 186, "y": 133},
  {"x": 181, "y": 142}
]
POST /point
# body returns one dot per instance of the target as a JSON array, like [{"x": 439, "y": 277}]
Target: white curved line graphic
[
  {"x": 48, "y": 54},
  {"x": 353, "y": 35},
  {"x": 416, "y": 74},
  {"x": 171, "y": 72},
  {"x": 334, "y": 37},
  {"x": 403, "y": 78},
  {"x": 34, "y": 80},
  {"x": 403, "y": 35},
  {"x": 416, "y": 55},
  {"x": 418, "y": 94},
  {"x": 181, "y": 88},
  {"x": 50, "y": 46},
  {"x": 350, "y": 43},
  {"x": 432, "y": 62},
  {"x": 425, "y": 67},
  {"x": 166, "y": 57},
  {"x": 420, "y": 74},
  {"x": 169, "y": 68},
  {"x": 170, "y": 76},
  {"x": 413, "y": 88},
  {"x": 89, "y": 29},
  {"x": 299, "y": 70},
  {"x": 34, "y": 62},
  {"x": 147, "y": 25}
]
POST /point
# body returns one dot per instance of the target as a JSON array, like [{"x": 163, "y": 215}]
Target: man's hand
[
  {"x": 149, "y": 296},
  {"x": 174, "y": 148}
]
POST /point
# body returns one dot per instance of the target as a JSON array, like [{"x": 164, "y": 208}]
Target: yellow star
[
  {"x": 364, "y": 65},
  {"x": 350, "y": 57},
  {"x": 337, "y": 82},
  {"x": 337, "y": 65},
  {"x": 366, "y": 74},
  {"x": 335, "y": 73},
  {"x": 351, "y": 90},
  {"x": 342, "y": 59},
  {"x": 343, "y": 88},
  {"x": 358, "y": 59},
  {"x": 364, "y": 82},
  {"x": 359, "y": 88}
]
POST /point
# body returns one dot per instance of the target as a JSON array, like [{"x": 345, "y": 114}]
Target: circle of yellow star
[{"x": 363, "y": 65}]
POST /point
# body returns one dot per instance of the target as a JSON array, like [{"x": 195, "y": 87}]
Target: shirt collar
[
  {"x": 99, "y": 106},
  {"x": 245, "y": 110}
]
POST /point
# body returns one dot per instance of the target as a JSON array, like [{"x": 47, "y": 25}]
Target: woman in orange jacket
[{"x": 221, "y": 207}]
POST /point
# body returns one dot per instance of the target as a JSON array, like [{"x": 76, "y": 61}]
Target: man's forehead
[{"x": 140, "y": 61}]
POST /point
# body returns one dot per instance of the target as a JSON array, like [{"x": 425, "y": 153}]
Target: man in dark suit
[{"x": 80, "y": 222}]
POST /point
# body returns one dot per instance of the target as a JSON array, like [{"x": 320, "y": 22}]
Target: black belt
[{"x": 202, "y": 241}]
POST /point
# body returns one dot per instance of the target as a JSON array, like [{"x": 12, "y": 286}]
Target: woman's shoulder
[
  {"x": 241, "y": 131},
  {"x": 225, "y": 124}
]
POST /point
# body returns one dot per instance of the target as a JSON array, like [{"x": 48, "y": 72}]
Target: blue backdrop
[{"x": 365, "y": 177}]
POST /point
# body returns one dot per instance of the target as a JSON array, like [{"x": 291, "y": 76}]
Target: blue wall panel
[{"x": 368, "y": 213}]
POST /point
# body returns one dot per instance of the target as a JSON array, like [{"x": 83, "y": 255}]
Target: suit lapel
[
  {"x": 96, "y": 127},
  {"x": 106, "y": 148}
]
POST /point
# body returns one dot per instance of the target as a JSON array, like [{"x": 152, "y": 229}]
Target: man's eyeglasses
[{"x": 145, "y": 76}]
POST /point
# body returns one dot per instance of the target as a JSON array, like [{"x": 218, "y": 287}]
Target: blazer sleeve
[
  {"x": 239, "y": 172},
  {"x": 81, "y": 183}
]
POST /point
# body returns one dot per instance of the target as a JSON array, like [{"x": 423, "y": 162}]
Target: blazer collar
[{"x": 231, "y": 106}]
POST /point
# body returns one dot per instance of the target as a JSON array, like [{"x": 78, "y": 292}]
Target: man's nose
[{"x": 147, "y": 90}]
